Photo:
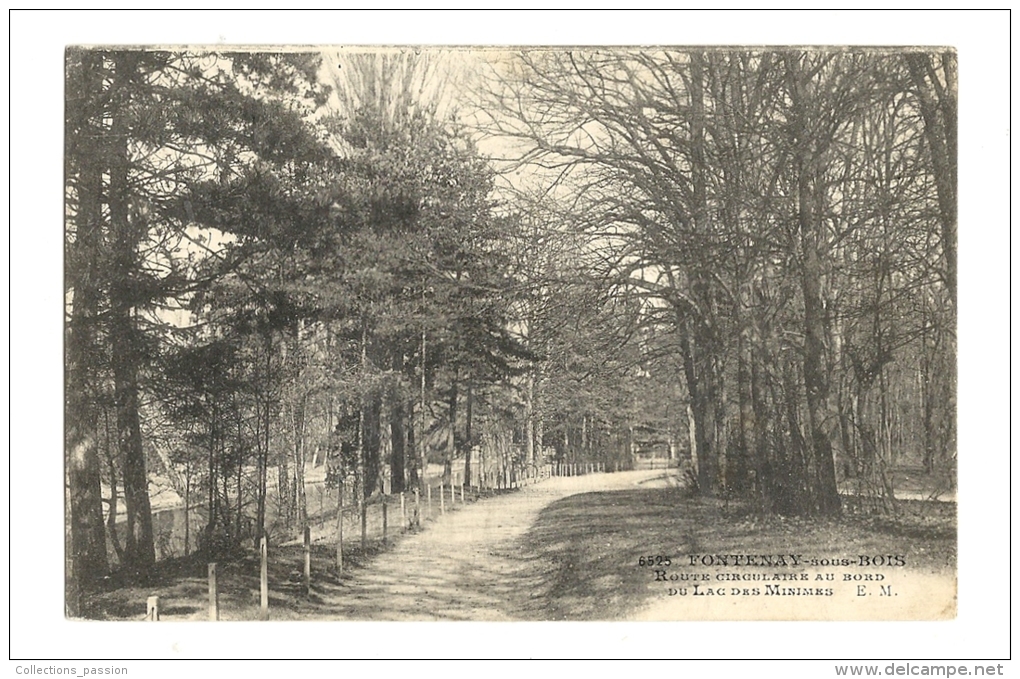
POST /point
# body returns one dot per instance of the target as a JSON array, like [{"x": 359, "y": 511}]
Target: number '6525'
[{"x": 653, "y": 561}]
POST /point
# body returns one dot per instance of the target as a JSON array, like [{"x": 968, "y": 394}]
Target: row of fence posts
[
  {"x": 415, "y": 519},
  {"x": 152, "y": 603},
  {"x": 506, "y": 479},
  {"x": 578, "y": 468}
]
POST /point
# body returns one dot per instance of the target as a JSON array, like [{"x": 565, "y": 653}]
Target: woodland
[{"x": 350, "y": 274}]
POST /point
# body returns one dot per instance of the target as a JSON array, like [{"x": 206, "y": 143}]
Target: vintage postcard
[{"x": 510, "y": 334}]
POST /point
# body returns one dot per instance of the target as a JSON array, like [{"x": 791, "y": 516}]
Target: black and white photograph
[
  {"x": 596, "y": 342},
  {"x": 534, "y": 334}
]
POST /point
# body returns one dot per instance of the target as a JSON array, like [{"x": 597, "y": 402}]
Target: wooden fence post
[
  {"x": 364, "y": 524},
  {"x": 340, "y": 530},
  {"x": 214, "y": 595},
  {"x": 384, "y": 521},
  {"x": 308, "y": 560},
  {"x": 403, "y": 510},
  {"x": 428, "y": 493},
  {"x": 442, "y": 497},
  {"x": 264, "y": 576},
  {"x": 152, "y": 609}
]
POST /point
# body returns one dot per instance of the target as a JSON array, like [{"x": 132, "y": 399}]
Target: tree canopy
[{"x": 279, "y": 263}]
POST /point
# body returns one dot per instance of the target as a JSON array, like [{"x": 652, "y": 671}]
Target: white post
[
  {"x": 308, "y": 560},
  {"x": 152, "y": 609},
  {"x": 264, "y": 576},
  {"x": 214, "y": 596}
]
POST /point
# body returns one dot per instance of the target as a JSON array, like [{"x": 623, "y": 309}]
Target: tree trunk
[
  {"x": 536, "y": 407},
  {"x": 111, "y": 517},
  {"x": 702, "y": 415},
  {"x": 721, "y": 420},
  {"x": 759, "y": 436},
  {"x": 264, "y": 433},
  {"x": 86, "y": 559},
  {"x": 816, "y": 381},
  {"x": 413, "y": 473},
  {"x": 373, "y": 443},
  {"x": 398, "y": 438},
  {"x": 529, "y": 420},
  {"x": 451, "y": 442},
  {"x": 87, "y": 544},
  {"x": 210, "y": 526},
  {"x": 283, "y": 489},
  {"x": 299, "y": 463},
  {"x": 187, "y": 507},
  {"x": 238, "y": 478},
  {"x": 469, "y": 440},
  {"x": 585, "y": 438},
  {"x": 361, "y": 486},
  {"x": 422, "y": 456},
  {"x": 792, "y": 489},
  {"x": 129, "y": 230},
  {"x": 925, "y": 379},
  {"x": 340, "y": 527},
  {"x": 698, "y": 368},
  {"x": 940, "y": 133},
  {"x": 740, "y": 463},
  {"x": 938, "y": 104}
]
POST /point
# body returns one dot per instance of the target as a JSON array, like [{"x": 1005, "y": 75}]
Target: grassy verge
[
  {"x": 182, "y": 583},
  {"x": 589, "y": 545}
]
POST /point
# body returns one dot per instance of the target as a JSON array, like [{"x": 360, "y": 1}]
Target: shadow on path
[{"x": 470, "y": 564}]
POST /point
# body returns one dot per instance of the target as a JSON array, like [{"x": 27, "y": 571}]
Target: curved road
[{"x": 466, "y": 564}]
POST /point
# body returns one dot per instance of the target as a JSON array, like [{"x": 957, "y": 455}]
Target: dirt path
[
  {"x": 468, "y": 564},
  {"x": 568, "y": 549}
]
